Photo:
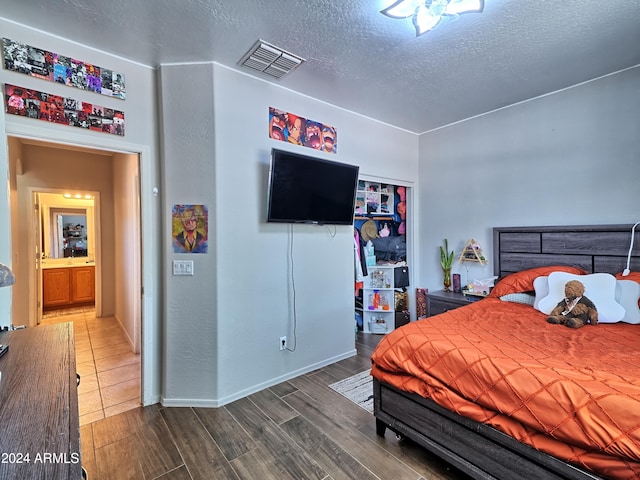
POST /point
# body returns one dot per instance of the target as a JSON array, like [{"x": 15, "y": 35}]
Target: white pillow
[
  {"x": 600, "y": 288},
  {"x": 541, "y": 286},
  {"x": 627, "y": 294},
  {"x": 523, "y": 297}
]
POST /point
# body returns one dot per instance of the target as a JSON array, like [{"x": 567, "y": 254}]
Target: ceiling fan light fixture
[
  {"x": 458, "y": 7},
  {"x": 428, "y": 14}
]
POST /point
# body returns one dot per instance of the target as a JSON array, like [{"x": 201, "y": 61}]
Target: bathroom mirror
[
  {"x": 66, "y": 227},
  {"x": 69, "y": 233}
]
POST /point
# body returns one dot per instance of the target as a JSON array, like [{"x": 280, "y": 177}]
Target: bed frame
[{"x": 480, "y": 450}]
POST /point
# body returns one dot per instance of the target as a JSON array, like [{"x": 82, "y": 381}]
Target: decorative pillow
[
  {"x": 523, "y": 281},
  {"x": 600, "y": 288},
  {"x": 541, "y": 287},
  {"x": 628, "y": 295},
  {"x": 524, "y": 298}
]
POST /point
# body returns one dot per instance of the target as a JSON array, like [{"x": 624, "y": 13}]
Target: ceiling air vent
[{"x": 271, "y": 60}]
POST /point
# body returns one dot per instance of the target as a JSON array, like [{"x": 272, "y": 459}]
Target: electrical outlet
[{"x": 283, "y": 343}]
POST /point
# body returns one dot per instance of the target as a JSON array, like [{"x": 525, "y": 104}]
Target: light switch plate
[{"x": 183, "y": 267}]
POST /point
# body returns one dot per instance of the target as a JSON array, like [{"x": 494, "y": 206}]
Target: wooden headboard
[{"x": 594, "y": 248}]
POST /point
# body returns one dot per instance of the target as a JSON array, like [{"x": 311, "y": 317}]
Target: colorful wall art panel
[
  {"x": 63, "y": 110},
  {"x": 54, "y": 67},
  {"x": 288, "y": 127}
]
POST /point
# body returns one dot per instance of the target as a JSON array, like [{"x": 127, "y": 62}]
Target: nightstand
[{"x": 441, "y": 301}]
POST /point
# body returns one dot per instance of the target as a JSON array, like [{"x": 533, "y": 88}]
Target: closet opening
[{"x": 382, "y": 280}]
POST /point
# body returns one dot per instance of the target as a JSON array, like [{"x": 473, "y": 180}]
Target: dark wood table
[{"x": 39, "y": 420}]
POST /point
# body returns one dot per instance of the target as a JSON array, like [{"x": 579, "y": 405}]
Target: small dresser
[
  {"x": 39, "y": 404},
  {"x": 441, "y": 301}
]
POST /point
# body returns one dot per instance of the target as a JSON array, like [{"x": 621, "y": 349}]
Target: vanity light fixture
[
  {"x": 78, "y": 196},
  {"x": 428, "y": 14}
]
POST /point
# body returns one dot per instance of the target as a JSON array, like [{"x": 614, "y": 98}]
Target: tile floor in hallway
[{"x": 109, "y": 371}]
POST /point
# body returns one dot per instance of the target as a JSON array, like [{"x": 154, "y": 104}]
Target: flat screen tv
[{"x": 305, "y": 189}]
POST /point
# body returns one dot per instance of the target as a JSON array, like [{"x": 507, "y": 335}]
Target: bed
[{"x": 485, "y": 387}]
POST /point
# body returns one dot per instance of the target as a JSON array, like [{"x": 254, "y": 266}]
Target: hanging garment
[{"x": 358, "y": 260}]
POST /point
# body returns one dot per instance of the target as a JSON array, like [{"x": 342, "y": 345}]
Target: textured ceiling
[{"x": 361, "y": 60}]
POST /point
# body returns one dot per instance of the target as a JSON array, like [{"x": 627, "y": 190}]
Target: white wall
[
  {"x": 572, "y": 157},
  {"x": 140, "y": 136},
  {"x": 254, "y": 306},
  {"x": 188, "y": 139},
  {"x": 224, "y": 323},
  {"x": 6, "y": 192},
  {"x": 8, "y": 236},
  {"x": 126, "y": 259}
]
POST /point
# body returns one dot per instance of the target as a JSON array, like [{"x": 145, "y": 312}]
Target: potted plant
[{"x": 446, "y": 261}]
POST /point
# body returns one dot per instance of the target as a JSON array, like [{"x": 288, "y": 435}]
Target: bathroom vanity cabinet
[{"x": 68, "y": 286}]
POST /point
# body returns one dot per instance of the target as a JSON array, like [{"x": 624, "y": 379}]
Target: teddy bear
[{"x": 575, "y": 310}]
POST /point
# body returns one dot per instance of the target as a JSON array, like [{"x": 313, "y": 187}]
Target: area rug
[{"x": 357, "y": 388}]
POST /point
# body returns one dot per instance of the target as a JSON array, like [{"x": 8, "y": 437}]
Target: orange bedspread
[{"x": 574, "y": 394}]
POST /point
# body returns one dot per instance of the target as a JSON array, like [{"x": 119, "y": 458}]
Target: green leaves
[{"x": 446, "y": 257}]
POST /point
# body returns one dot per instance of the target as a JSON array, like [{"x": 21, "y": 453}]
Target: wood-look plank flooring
[{"x": 299, "y": 429}]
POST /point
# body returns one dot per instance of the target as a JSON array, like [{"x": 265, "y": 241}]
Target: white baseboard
[{"x": 190, "y": 402}]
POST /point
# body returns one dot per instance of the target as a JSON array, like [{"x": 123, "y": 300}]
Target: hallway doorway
[{"x": 114, "y": 176}]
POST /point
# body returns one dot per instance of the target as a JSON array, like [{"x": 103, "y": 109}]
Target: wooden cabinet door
[
  {"x": 82, "y": 284},
  {"x": 55, "y": 287}
]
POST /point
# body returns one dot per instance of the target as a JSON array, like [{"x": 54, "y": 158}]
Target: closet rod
[{"x": 374, "y": 218}]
